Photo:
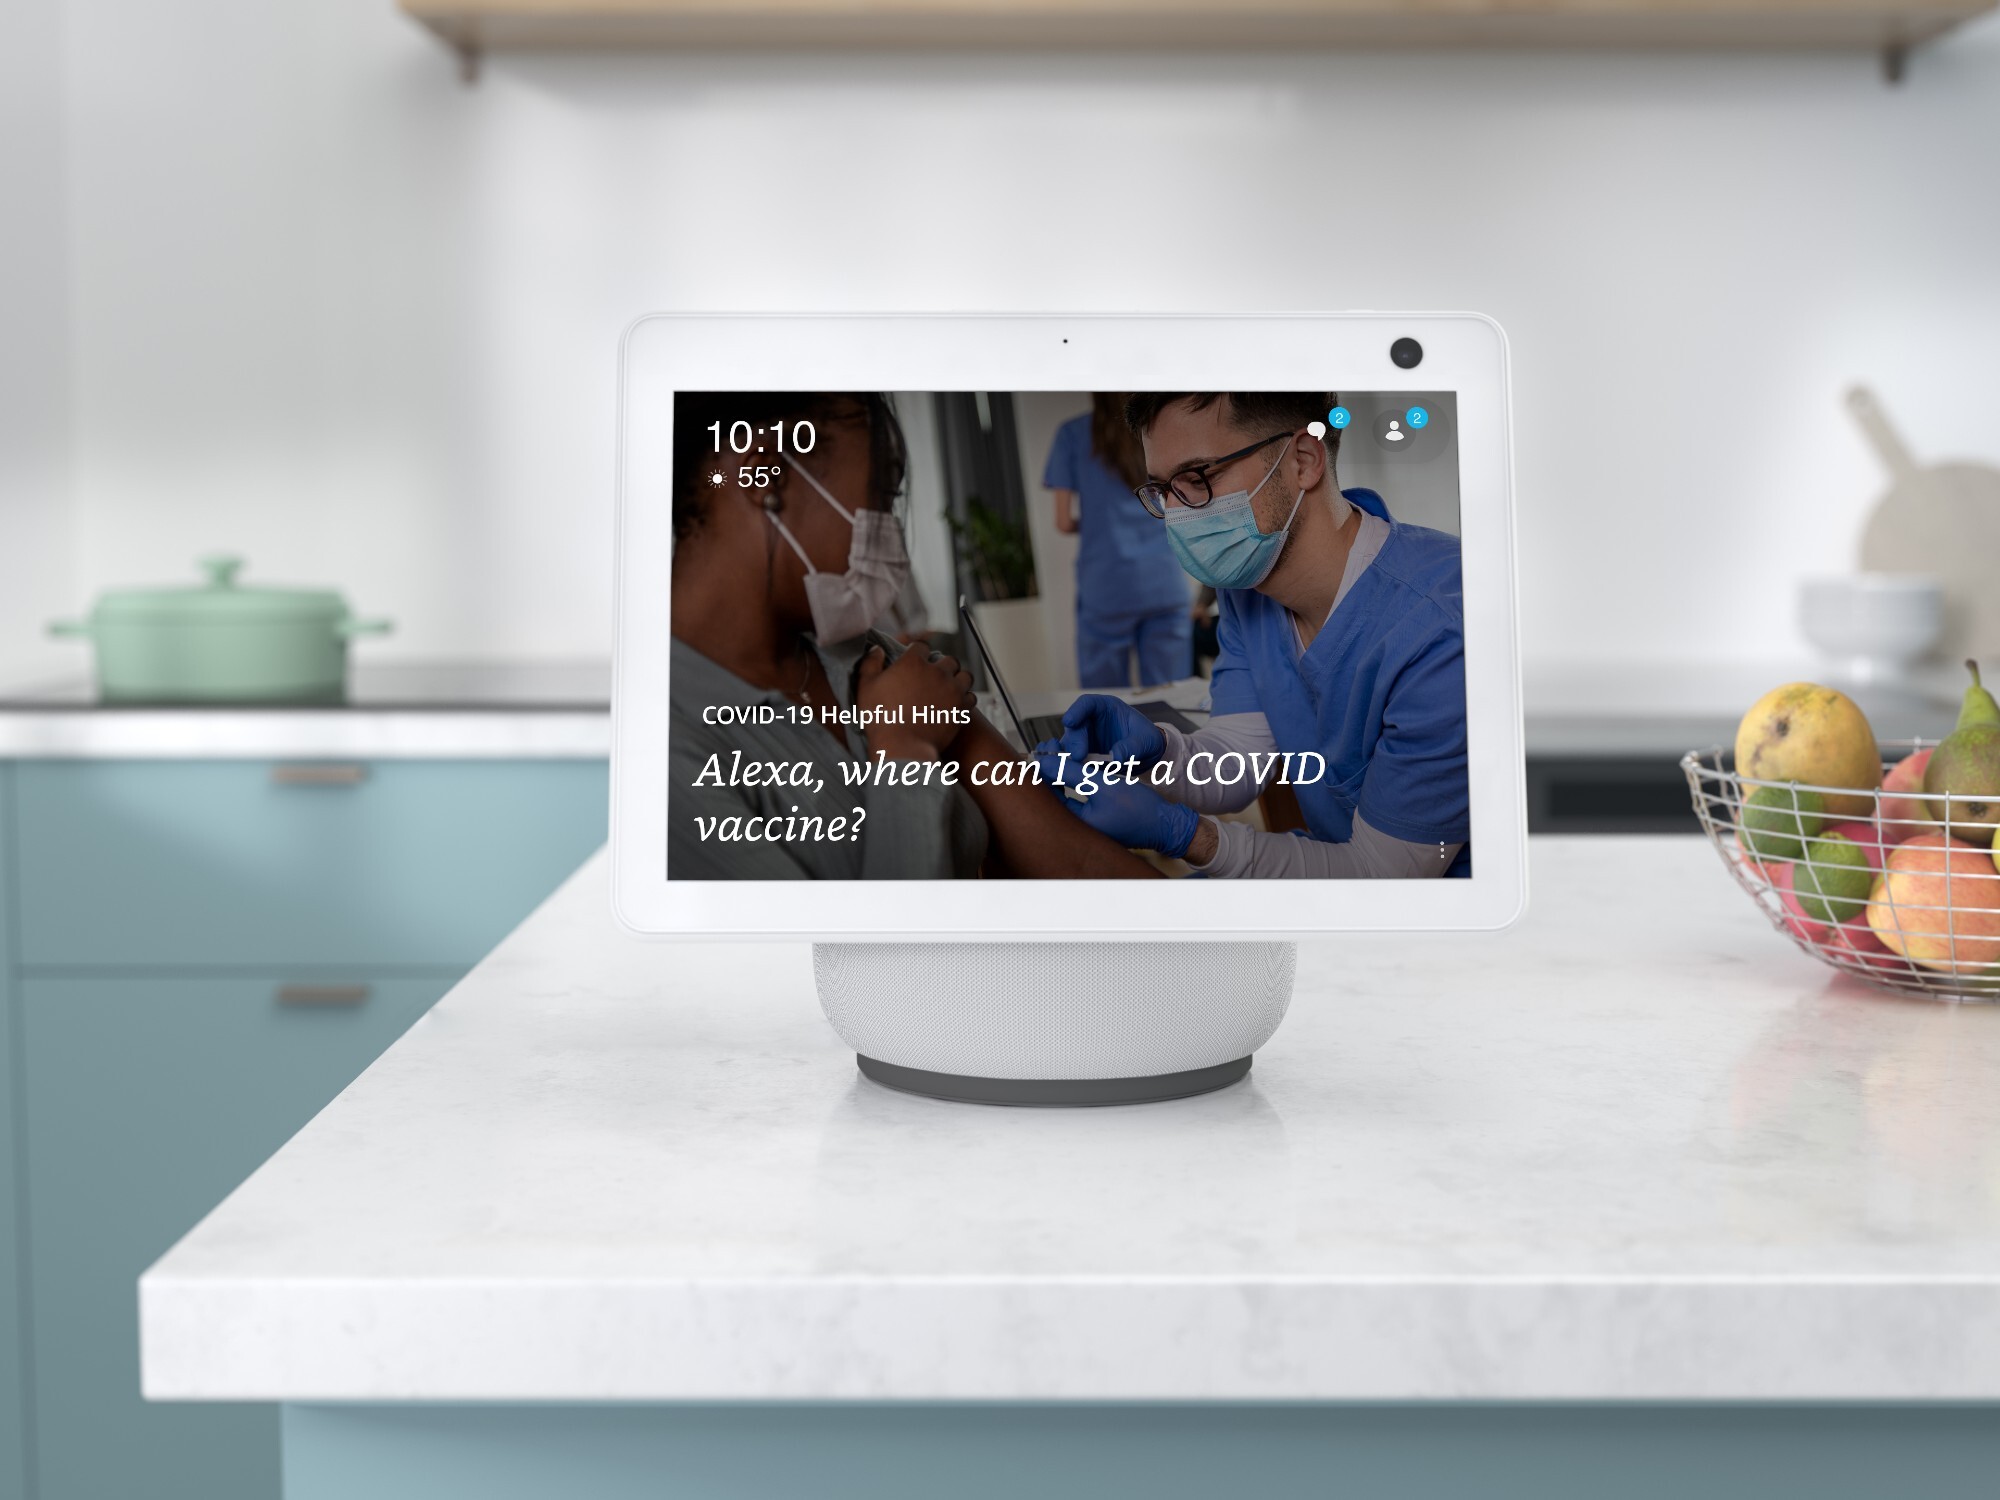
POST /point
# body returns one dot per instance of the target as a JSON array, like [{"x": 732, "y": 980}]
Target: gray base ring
[{"x": 1054, "y": 1093}]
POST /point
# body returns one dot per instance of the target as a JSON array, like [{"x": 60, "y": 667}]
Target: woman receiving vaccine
[{"x": 778, "y": 661}]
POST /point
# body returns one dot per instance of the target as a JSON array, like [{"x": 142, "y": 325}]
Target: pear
[
  {"x": 1978, "y": 706},
  {"x": 1966, "y": 767}
]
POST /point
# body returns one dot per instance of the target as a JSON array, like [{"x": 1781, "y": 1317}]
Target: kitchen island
[
  {"x": 212, "y": 918},
  {"x": 1632, "y": 1199}
]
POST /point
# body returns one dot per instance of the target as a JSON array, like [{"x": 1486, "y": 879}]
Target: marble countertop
[
  {"x": 554, "y": 709},
  {"x": 1635, "y": 1147}
]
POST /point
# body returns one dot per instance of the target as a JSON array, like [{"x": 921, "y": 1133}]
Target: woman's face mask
[
  {"x": 845, "y": 605},
  {"x": 1220, "y": 545}
]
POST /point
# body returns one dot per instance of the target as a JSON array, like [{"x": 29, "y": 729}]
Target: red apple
[
  {"x": 1857, "y": 938},
  {"x": 1903, "y": 816},
  {"x": 1937, "y": 901}
]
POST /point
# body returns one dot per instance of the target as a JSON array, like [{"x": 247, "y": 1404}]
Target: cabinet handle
[
  {"x": 318, "y": 775},
  {"x": 322, "y": 994}
]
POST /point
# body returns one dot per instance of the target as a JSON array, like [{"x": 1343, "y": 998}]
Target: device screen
[{"x": 951, "y": 635}]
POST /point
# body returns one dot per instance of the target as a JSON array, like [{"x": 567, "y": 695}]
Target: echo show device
[{"x": 1053, "y": 674}]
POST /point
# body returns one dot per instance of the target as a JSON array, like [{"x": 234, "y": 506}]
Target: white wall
[
  {"x": 36, "y": 575},
  {"x": 337, "y": 311}
]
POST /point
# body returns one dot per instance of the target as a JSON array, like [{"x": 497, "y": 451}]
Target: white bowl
[{"x": 1876, "y": 625}]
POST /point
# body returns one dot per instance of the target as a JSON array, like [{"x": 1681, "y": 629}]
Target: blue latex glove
[
  {"x": 1136, "y": 816},
  {"x": 1100, "y": 724}
]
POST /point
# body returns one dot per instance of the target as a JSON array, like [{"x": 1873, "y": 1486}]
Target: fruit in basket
[
  {"x": 1938, "y": 904},
  {"x": 1815, "y": 736},
  {"x": 1813, "y": 934},
  {"x": 1868, "y": 837},
  {"x": 1966, "y": 767},
  {"x": 1857, "y": 940},
  {"x": 1834, "y": 880},
  {"x": 1904, "y": 816},
  {"x": 1845, "y": 944},
  {"x": 1777, "y": 821}
]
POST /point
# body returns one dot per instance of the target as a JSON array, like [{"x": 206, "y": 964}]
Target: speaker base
[
  {"x": 1106, "y": 1017},
  {"x": 1054, "y": 1093}
]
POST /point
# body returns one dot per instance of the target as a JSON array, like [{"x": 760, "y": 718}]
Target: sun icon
[{"x": 717, "y": 479}]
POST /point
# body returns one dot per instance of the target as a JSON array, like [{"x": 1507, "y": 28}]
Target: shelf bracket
[
  {"x": 468, "y": 64},
  {"x": 1895, "y": 60}
]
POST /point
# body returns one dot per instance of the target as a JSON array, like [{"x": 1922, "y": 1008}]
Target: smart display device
[{"x": 1249, "y": 578}]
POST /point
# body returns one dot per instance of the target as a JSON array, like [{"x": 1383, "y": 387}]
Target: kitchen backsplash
[{"x": 329, "y": 307}]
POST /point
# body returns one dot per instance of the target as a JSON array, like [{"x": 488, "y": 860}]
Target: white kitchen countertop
[
  {"x": 394, "y": 710},
  {"x": 1637, "y": 1147}
]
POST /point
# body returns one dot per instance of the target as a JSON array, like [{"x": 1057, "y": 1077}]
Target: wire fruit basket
[{"x": 1929, "y": 923}]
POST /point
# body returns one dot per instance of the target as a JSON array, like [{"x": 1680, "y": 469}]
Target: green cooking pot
[{"x": 221, "y": 642}]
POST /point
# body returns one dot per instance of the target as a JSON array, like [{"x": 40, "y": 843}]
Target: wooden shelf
[{"x": 1887, "y": 26}]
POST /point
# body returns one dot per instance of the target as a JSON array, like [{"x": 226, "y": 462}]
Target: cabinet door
[
  {"x": 206, "y": 864},
  {"x": 148, "y": 1101},
  {"x": 13, "y": 1369}
]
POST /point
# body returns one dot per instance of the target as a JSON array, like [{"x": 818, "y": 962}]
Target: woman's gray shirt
[{"x": 930, "y": 832}]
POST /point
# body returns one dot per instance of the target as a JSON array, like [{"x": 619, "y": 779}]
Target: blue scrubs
[
  {"x": 1131, "y": 594},
  {"x": 1380, "y": 692}
]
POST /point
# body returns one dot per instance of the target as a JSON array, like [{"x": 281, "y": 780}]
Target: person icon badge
[
  {"x": 1417, "y": 417},
  {"x": 1393, "y": 431}
]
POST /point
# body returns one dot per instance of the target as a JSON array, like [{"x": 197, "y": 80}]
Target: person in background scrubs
[
  {"x": 1131, "y": 595},
  {"x": 1341, "y": 632}
]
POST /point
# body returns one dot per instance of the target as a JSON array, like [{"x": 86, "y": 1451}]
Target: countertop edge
[
  {"x": 174, "y": 734},
  {"x": 1018, "y": 1339}
]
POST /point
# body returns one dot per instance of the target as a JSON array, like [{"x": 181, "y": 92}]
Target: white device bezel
[{"x": 661, "y": 353}]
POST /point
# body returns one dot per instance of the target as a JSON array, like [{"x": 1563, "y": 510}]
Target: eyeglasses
[{"x": 1190, "y": 486}]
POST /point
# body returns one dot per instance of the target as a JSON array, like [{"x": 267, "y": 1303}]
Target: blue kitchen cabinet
[
  {"x": 168, "y": 864},
  {"x": 148, "y": 1101},
  {"x": 13, "y": 1288},
  {"x": 195, "y": 957}
]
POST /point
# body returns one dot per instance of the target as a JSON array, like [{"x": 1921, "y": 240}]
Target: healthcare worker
[
  {"x": 1131, "y": 595},
  {"x": 1341, "y": 633}
]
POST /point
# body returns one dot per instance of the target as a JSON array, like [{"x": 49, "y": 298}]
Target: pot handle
[
  {"x": 350, "y": 627},
  {"x": 70, "y": 629}
]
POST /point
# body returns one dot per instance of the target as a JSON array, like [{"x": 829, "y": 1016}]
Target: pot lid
[{"x": 221, "y": 600}]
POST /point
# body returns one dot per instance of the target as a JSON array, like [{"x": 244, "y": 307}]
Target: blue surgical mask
[{"x": 1220, "y": 545}]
